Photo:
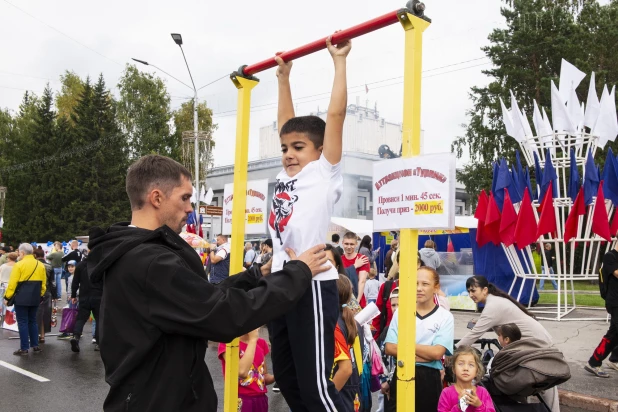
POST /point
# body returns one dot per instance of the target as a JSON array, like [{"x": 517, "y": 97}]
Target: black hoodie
[{"x": 158, "y": 311}]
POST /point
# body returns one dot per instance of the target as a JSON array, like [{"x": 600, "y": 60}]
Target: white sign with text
[
  {"x": 255, "y": 212},
  {"x": 414, "y": 193}
]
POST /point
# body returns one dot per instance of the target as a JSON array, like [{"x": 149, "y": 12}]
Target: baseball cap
[
  {"x": 395, "y": 293},
  {"x": 71, "y": 263}
]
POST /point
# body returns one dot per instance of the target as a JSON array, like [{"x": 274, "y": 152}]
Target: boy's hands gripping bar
[{"x": 336, "y": 38}]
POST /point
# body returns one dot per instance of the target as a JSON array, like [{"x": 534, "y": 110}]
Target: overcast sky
[{"x": 45, "y": 38}]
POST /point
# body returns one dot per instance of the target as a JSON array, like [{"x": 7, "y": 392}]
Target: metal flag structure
[{"x": 572, "y": 216}]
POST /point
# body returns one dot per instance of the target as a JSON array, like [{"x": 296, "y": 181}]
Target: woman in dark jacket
[{"x": 44, "y": 314}]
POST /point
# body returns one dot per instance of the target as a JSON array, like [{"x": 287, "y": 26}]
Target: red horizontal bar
[{"x": 339, "y": 37}]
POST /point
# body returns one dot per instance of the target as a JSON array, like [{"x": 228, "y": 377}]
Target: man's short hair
[
  {"x": 26, "y": 248},
  {"x": 150, "y": 172},
  {"x": 269, "y": 243},
  {"x": 223, "y": 236},
  {"x": 313, "y": 126},
  {"x": 335, "y": 237},
  {"x": 350, "y": 235}
]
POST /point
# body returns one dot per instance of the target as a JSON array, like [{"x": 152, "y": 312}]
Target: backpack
[
  {"x": 386, "y": 293},
  {"x": 605, "y": 277}
]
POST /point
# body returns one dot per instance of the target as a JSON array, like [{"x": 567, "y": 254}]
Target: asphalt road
[{"x": 76, "y": 380}]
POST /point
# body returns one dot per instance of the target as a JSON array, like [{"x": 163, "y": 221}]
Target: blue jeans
[
  {"x": 553, "y": 282},
  {"x": 26, "y": 323},
  {"x": 58, "y": 277}
]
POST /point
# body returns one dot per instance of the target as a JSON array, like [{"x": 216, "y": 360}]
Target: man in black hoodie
[
  {"x": 89, "y": 301},
  {"x": 158, "y": 310}
]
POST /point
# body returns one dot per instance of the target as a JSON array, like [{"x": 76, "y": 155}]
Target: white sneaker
[
  {"x": 94, "y": 340},
  {"x": 612, "y": 364}
]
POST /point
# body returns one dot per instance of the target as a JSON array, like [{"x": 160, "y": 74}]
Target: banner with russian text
[
  {"x": 414, "y": 193},
  {"x": 255, "y": 212}
]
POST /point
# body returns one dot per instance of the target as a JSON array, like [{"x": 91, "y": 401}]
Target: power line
[
  {"x": 214, "y": 81},
  {"x": 62, "y": 33}
]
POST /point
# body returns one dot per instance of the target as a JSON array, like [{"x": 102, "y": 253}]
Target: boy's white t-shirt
[
  {"x": 372, "y": 288},
  {"x": 301, "y": 209}
]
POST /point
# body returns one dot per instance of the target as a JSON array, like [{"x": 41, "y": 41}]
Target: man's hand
[
  {"x": 74, "y": 301},
  {"x": 266, "y": 268},
  {"x": 361, "y": 260},
  {"x": 284, "y": 69},
  {"x": 338, "y": 50},
  {"x": 314, "y": 257}
]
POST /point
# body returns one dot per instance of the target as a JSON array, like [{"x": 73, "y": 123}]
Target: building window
[
  {"x": 362, "y": 205},
  {"x": 215, "y": 201},
  {"x": 458, "y": 210}
]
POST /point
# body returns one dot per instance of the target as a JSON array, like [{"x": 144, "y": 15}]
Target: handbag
[
  {"x": 69, "y": 318},
  {"x": 11, "y": 301}
]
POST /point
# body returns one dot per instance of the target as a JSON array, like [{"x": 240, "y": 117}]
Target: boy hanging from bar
[{"x": 307, "y": 189}]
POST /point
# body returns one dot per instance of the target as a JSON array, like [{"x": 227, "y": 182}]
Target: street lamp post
[{"x": 178, "y": 40}]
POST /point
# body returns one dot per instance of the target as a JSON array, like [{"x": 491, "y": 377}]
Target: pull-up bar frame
[{"x": 414, "y": 23}]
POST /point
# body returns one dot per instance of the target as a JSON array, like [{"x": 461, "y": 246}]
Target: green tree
[
  {"x": 526, "y": 55},
  {"x": 67, "y": 99},
  {"x": 144, "y": 113},
  {"x": 183, "y": 122}
]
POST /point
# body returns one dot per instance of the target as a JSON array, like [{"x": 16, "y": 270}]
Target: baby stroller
[{"x": 524, "y": 369}]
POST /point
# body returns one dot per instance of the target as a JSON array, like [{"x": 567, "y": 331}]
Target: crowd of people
[{"x": 31, "y": 281}]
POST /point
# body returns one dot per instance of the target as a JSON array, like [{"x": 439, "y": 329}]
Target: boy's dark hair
[
  {"x": 269, "y": 243},
  {"x": 335, "y": 238},
  {"x": 313, "y": 126},
  {"x": 39, "y": 254},
  {"x": 350, "y": 235},
  {"x": 509, "y": 330},
  {"x": 153, "y": 171}
]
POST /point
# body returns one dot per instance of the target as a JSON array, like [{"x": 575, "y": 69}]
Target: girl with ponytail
[
  {"x": 500, "y": 309},
  {"x": 345, "y": 373}
]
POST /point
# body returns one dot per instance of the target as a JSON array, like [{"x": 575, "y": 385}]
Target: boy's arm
[
  {"x": 333, "y": 136},
  {"x": 285, "y": 109}
]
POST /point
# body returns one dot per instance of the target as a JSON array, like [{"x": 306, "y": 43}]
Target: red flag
[
  {"x": 547, "y": 221},
  {"x": 572, "y": 223},
  {"x": 600, "y": 221},
  {"x": 492, "y": 221},
  {"x": 508, "y": 221},
  {"x": 449, "y": 246},
  {"x": 613, "y": 229},
  {"x": 481, "y": 211},
  {"x": 525, "y": 229}
]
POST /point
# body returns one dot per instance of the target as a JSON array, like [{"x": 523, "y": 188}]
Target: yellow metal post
[
  {"x": 244, "y": 86},
  {"x": 411, "y": 146}
]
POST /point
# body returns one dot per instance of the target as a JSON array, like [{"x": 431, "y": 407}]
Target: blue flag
[
  {"x": 591, "y": 179},
  {"x": 574, "y": 183},
  {"x": 520, "y": 174},
  {"x": 539, "y": 176},
  {"x": 527, "y": 180},
  {"x": 505, "y": 181},
  {"x": 549, "y": 175},
  {"x": 498, "y": 194},
  {"x": 610, "y": 177}
]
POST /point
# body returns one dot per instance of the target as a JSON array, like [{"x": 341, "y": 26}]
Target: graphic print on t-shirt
[{"x": 282, "y": 207}]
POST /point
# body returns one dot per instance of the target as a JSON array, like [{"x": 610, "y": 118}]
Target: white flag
[
  {"x": 508, "y": 121},
  {"x": 592, "y": 105},
  {"x": 209, "y": 196},
  {"x": 570, "y": 78},
  {"x": 518, "y": 125},
  {"x": 606, "y": 127},
  {"x": 560, "y": 116},
  {"x": 575, "y": 110}
]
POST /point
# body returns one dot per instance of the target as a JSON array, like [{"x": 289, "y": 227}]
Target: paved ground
[{"x": 76, "y": 380}]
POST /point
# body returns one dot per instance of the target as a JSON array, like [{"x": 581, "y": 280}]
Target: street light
[{"x": 178, "y": 40}]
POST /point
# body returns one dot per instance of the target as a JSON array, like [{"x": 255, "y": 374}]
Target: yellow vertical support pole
[
  {"x": 411, "y": 146},
  {"x": 244, "y": 86}
]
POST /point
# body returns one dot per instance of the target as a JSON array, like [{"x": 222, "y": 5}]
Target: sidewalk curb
[{"x": 587, "y": 402}]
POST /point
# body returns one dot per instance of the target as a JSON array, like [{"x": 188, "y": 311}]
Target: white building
[{"x": 363, "y": 133}]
